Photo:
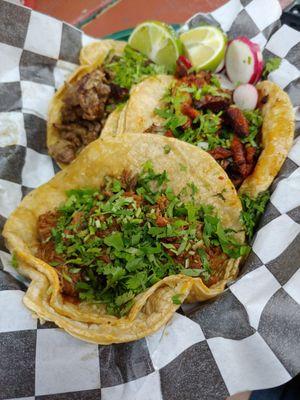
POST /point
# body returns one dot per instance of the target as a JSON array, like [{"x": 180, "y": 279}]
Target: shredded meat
[
  {"x": 219, "y": 153},
  {"x": 77, "y": 218},
  {"x": 46, "y": 252},
  {"x": 112, "y": 228},
  {"x": 161, "y": 221},
  {"x": 128, "y": 181},
  {"x": 162, "y": 202},
  {"x": 45, "y": 223},
  {"x": 68, "y": 286},
  {"x": 237, "y": 121},
  {"x": 137, "y": 198}
]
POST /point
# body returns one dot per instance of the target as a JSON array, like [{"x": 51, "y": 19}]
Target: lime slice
[
  {"x": 204, "y": 46},
  {"x": 158, "y": 42}
]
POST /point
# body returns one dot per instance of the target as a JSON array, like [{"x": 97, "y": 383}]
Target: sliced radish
[
  {"x": 225, "y": 82},
  {"x": 243, "y": 61},
  {"x": 220, "y": 66},
  {"x": 245, "y": 96}
]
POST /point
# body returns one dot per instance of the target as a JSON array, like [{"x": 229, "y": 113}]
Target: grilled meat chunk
[
  {"x": 213, "y": 103},
  {"x": 236, "y": 119}
]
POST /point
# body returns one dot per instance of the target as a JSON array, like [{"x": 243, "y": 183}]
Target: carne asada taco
[
  {"x": 80, "y": 108},
  {"x": 115, "y": 242},
  {"x": 250, "y": 146}
]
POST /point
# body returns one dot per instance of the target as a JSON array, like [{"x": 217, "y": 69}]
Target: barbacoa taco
[
  {"x": 115, "y": 242},
  {"x": 250, "y": 146},
  {"x": 80, "y": 108}
]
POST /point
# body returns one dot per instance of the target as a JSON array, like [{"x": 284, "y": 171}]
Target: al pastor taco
[
  {"x": 115, "y": 242},
  {"x": 80, "y": 108},
  {"x": 250, "y": 145}
]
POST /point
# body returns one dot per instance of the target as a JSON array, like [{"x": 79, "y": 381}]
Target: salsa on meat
[{"x": 197, "y": 110}]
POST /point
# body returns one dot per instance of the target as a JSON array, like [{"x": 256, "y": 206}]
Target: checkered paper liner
[{"x": 246, "y": 339}]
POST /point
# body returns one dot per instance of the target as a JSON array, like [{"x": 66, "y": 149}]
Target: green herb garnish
[
  {"x": 14, "y": 261},
  {"x": 255, "y": 121},
  {"x": 271, "y": 65},
  {"x": 252, "y": 211},
  {"x": 118, "y": 244},
  {"x": 176, "y": 299},
  {"x": 167, "y": 149},
  {"x": 131, "y": 68}
]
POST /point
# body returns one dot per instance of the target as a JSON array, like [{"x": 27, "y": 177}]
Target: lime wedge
[
  {"x": 204, "y": 46},
  {"x": 158, "y": 42}
]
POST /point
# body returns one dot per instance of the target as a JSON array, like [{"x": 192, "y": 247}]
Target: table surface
[{"x": 102, "y": 17}]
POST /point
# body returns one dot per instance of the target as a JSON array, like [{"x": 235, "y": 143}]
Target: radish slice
[
  {"x": 243, "y": 61},
  {"x": 245, "y": 96},
  {"x": 220, "y": 66},
  {"x": 225, "y": 82}
]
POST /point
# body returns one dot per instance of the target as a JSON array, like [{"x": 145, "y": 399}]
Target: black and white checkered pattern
[{"x": 248, "y": 338}]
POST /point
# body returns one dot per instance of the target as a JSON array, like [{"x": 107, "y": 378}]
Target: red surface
[
  {"x": 72, "y": 11},
  {"x": 127, "y": 13},
  {"x": 113, "y": 15}
]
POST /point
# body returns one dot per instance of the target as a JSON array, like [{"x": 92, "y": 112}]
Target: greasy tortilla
[
  {"x": 277, "y": 138},
  {"x": 91, "y": 56},
  {"x": 277, "y": 129},
  {"x": 96, "y": 52},
  {"x": 154, "y": 307}
]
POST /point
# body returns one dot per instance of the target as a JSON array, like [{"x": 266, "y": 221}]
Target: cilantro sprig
[
  {"x": 271, "y": 65},
  {"x": 253, "y": 210}
]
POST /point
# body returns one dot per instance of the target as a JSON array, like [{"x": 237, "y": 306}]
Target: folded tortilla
[
  {"x": 154, "y": 307},
  {"x": 277, "y": 129},
  {"x": 91, "y": 57}
]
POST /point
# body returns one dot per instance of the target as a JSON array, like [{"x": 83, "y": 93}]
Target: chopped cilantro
[
  {"x": 205, "y": 127},
  {"x": 271, "y": 65},
  {"x": 255, "y": 121},
  {"x": 114, "y": 240},
  {"x": 252, "y": 211},
  {"x": 113, "y": 246},
  {"x": 167, "y": 149},
  {"x": 14, "y": 261},
  {"x": 215, "y": 81},
  {"x": 131, "y": 68},
  {"x": 176, "y": 299},
  {"x": 192, "y": 272}
]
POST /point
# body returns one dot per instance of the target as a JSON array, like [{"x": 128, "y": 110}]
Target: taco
[
  {"x": 250, "y": 146},
  {"x": 115, "y": 242},
  {"x": 80, "y": 108}
]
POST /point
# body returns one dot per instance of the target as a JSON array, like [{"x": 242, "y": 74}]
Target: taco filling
[
  {"x": 110, "y": 244},
  {"x": 88, "y": 101},
  {"x": 198, "y": 111}
]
